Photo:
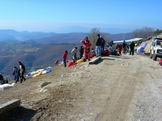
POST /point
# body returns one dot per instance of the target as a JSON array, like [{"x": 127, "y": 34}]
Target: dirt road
[
  {"x": 128, "y": 88},
  {"x": 124, "y": 89}
]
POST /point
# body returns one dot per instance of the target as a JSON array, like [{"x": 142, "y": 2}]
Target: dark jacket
[
  {"x": 81, "y": 50},
  {"x": 15, "y": 72},
  {"x": 1, "y": 77},
  {"x": 102, "y": 42},
  {"x": 23, "y": 67},
  {"x": 124, "y": 44},
  {"x": 99, "y": 42},
  {"x": 132, "y": 45}
]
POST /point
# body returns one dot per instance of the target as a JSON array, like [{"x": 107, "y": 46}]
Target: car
[{"x": 156, "y": 48}]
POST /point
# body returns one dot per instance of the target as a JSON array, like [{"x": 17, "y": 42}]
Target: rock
[
  {"x": 44, "y": 84},
  {"x": 4, "y": 108},
  {"x": 95, "y": 60}
]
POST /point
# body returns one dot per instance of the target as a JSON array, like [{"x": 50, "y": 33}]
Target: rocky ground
[{"x": 127, "y": 88}]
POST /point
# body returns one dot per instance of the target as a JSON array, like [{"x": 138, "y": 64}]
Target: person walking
[
  {"x": 65, "y": 58},
  {"x": 98, "y": 45},
  {"x": 132, "y": 45},
  {"x": 16, "y": 74},
  {"x": 87, "y": 47},
  {"x": 21, "y": 71}
]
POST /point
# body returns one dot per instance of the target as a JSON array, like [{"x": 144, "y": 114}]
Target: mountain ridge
[{"x": 51, "y": 37}]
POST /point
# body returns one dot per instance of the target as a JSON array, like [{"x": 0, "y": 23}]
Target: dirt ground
[{"x": 127, "y": 88}]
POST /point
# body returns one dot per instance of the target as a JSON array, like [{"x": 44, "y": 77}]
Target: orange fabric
[{"x": 71, "y": 64}]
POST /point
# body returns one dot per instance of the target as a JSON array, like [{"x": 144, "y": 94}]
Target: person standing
[
  {"x": 65, "y": 58},
  {"x": 87, "y": 47},
  {"x": 74, "y": 54},
  {"x": 124, "y": 47},
  {"x": 132, "y": 45},
  {"x": 21, "y": 71},
  {"x": 102, "y": 45},
  {"x": 81, "y": 51},
  {"x": 119, "y": 48},
  {"x": 16, "y": 74},
  {"x": 98, "y": 45},
  {"x": 1, "y": 79}
]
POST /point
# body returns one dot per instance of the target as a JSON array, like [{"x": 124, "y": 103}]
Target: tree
[
  {"x": 157, "y": 32},
  {"x": 93, "y": 36},
  {"x": 144, "y": 32}
]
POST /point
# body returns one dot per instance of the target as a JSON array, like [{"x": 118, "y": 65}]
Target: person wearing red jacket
[
  {"x": 87, "y": 46},
  {"x": 65, "y": 57},
  {"x": 119, "y": 48}
]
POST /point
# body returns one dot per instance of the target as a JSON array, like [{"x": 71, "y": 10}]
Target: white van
[{"x": 156, "y": 48}]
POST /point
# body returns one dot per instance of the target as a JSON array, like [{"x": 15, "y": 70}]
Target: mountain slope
[
  {"x": 32, "y": 54},
  {"x": 124, "y": 88}
]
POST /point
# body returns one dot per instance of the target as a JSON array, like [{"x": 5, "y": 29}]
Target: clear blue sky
[{"x": 79, "y": 15}]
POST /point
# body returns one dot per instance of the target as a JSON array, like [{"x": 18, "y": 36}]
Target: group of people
[
  {"x": 125, "y": 48},
  {"x": 85, "y": 50},
  {"x": 2, "y": 80},
  {"x": 18, "y": 72}
]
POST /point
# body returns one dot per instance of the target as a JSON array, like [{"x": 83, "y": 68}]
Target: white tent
[{"x": 127, "y": 41}]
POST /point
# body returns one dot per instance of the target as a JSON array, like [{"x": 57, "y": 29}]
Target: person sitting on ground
[
  {"x": 110, "y": 43},
  {"x": 74, "y": 54},
  {"x": 87, "y": 47},
  {"x": 21, "y": 71},
  {"x": 113, "y": 50},
  {"x": 92, "y": 51},
  {"x": 16, "y": 74},
  {"x": 56, "y": 62},
  {"x": 65, "y": 58},
  {"x": 2, "y": 80}
]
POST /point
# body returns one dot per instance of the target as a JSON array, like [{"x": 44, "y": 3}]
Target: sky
[{"x": 80, "y": 15}]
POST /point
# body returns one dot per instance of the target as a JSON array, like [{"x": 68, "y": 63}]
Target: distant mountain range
[{"x": 42, "y": 37}]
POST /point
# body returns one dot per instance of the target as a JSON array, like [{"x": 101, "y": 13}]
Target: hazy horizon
[
  {"x": 75, "y": 30},
  {"x": 62, "y": 16}
]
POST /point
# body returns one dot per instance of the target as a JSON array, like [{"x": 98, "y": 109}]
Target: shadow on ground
[
  {"x": 18, "y": 114},
  {"x": 120, "y": 57},
  {"x": 108, "y": 58}
]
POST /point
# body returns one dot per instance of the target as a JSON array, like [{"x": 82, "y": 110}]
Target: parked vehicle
[{"x": 156, "y": 48}]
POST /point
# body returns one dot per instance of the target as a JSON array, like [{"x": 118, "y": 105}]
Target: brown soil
[{"x": 127, "y": 88}]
